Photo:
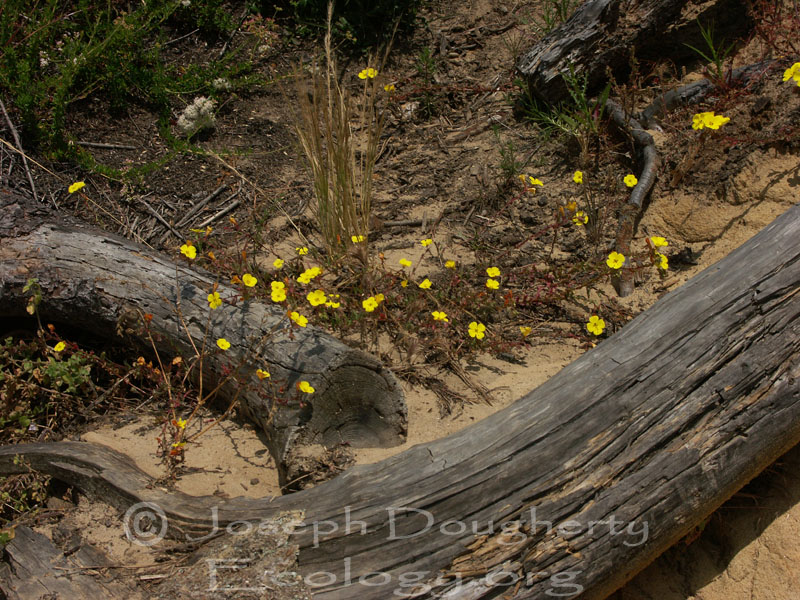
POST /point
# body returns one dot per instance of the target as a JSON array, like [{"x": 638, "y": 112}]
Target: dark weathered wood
[
  {"x": 601, "y": 34},
  {"x": 105, "y": 283},
  {"x": 592, "y": 475},
  {"x": 36, "y": 569}
]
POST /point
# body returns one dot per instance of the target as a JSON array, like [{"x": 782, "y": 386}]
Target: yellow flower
[
  {"x": 249, "y": 280},
  {"x": 630, "y": 180},
  {"x": 278, "y": 294},
  {"x": 298, "y": 318},
  {"x": 379, "y": 298},
  {"x": 389, "y": 87},
  {"x": 708, "y": 119},
  {"x": 180, "y": 423},
  {"x": 59, "y": 347},
  {"x": 302, "y": 251},
  {"x": 534, "y": 181},
  {"x": 333, "y": 301},
  {"x": 596, "y": 325},
  {"x": 262, "y": 374},
  {"x": 426, "y": 242},
  {"x": 223, "y": 344},
  {"x": 76, "y": 186},
  {"x": 578, "y": 177},
  {"x": 615, "y": 260},
  {"x": 476, "y": 330},
  {"x": 663, "y": 261},
  {"x": 450, "y": 264},
  {"x": 405, "y": 262},
  {"x": 426, "y": 283},
  {"x": 369, "y": 304},
  {"x": 492, "y": 284},
  {"x": 368, "y": 73},
  {"x": 214, "y": 301},
  {"x": 207, "y": 230},
  {"x": 580, "y": 218},
  {"x": 178, "y": 444},
  {"x": 658, "y": 242},
  {"x": 440, "y": 316},
  {"x": 404, "y": 283},
  {"x": 304, "y": 277},
  {"x": 316, "y": 298},
  {"x": 277, "y": 263},
  {"x": 792, "y": 72},
  {"x": 493, "y": 272},
  {"x": 304, "y": 386},
  {"x": 357, "y": 238},
  {"x": 188, "y": 250},
  {"x": 524, "y": 330}
]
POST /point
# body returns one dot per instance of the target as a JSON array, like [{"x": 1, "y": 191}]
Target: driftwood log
[
  {"x": 105, "y": 284},
  {"x": 601, "y": 35},
  {"x": 571, "y": 490}
]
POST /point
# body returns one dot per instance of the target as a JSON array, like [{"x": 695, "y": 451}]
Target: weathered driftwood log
[
  {"x": 35, "y": 568},
  {"x": 601, "y": 35},
  {"x": 104, "y": 283},
  {"x": 572, "y": 489}
]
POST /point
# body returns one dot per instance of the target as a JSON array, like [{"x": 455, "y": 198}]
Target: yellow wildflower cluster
[{"x": 368, "y": 73}]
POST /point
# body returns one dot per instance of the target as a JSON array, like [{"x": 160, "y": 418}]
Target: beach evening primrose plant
[
  {"x": 405, "y": 262},
  {"x": 302, "y": 251},
  {"x": 298, "y": 318},
  {"x": 426, "y": 284},
  {"x": 615, "y": 260},
  {"x": 305, "y": 387},
  {"x": 278, "y": 291},
  {"x": 440, "y": 316},
  {"x": 708, "y": 119},
  {"x": 249, "y": 280},
  {"x": 493, "y": 272},
  {"x": 368, "y": 73},
  {"x": 792, "y": 73},
  {"x": 369, "y": 304},
  {"x": 578, "y": 177},
  {"x": 426, "y": 242},
  {"x": 595, "y": 325},
  {"x": 214, "y": 301},
  {"x": 59, "y": 347},
  {"x": 189, "y": 251},
  {"x": 477, "y": 330},
  {"x": 630, "y": 180},
  {"x": 262, "y": 374},
  {"x": 277, "y": 263},
  {"x": 223, "y": 344},
  {"x": 492, "y": 284},
  {"x": 316, "y": 298}
]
